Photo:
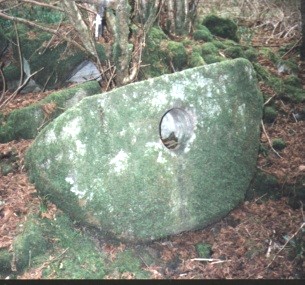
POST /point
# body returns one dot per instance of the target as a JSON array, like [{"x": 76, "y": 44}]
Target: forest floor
[{"x": 256, "y": 240}]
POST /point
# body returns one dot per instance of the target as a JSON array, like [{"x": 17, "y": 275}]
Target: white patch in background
[{"x": 119, "y": 162}]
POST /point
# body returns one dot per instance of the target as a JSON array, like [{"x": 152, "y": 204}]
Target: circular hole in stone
[{"x": 176, "y": 128}]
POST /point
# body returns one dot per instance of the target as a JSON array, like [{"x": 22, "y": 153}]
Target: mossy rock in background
[
  {"x": 55, "y": 63},
  {"x": 154, "y": 59},
  {"x": 202, "y": 33},
  {"x": 209, "y": 48},
  {"x": 234, "y": 52},
  {"x": 195, "y": 59},
  {"x": 251, "y": 54},
  {"x": 177, "y": 55},
  {"x": 210, "y": 53},
  {"x": 221, "y": 27},
  {"x": 25, "y": 123}
]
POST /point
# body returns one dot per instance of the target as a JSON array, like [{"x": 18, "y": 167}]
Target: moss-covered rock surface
[
  {"x": 157, "y": 157},
  {"x": 26, "y": 123}
]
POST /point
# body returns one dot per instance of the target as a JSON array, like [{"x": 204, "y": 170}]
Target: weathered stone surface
[
  {"x": 105, "y": 162},
  {"x": 25, "y": 123}
]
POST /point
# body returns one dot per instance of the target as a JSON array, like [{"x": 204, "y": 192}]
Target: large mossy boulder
[
  {"x": 157, "y": 157},
  {"x": 221, "y": 27},
  {"x": 25, "y": 123}
]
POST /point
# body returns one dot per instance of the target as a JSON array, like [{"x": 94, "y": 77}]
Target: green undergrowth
[
  {"x": 64, "y": 251},
  {"x": 61, "y": 251}
]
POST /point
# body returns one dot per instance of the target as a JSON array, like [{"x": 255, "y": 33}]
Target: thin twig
[
  {"x": 269, "y": 99},
  {"x": 11, "y": 97},
  {"x": 19, "y": 54},
  {"x": 269, "y": 141},
  {"x": 111, "y": 78},
  {"x": 3, "y": 83},
  {"x": 213, "y": 260},
  {"x": 285, "y": 245}
]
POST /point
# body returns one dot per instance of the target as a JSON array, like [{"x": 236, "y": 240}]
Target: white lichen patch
[
  {"x": 250, "y": 72},
  {"x": 80, "y": 147},
  {"x": 134, "y": 140},
  {"x": 72, "y": 129},
  {"x": 50, "y": 137},
  {"x": 189, "y": 143},
  {"x": 241, "y": 110},
  {"x": 119, "y": 162},
  {"x": 74, "y": 187},
  {"x": 155, "y": 146},
  {"x": 159, "y": 99},
  {"x": 46, "y": 164},
  {"x": 178, "y": 90},
  {"x": 160, "y": 158},
  {"x": 122, "y": 133}
]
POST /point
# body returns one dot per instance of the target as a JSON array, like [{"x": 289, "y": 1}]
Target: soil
[{"x": 253, "y": 241}]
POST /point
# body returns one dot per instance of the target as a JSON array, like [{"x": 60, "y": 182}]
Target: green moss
[
  {"x": 221, "y": 27},
  {"x": 202, "y": 33},
  {"x": 11, "y": 73},
  {"x": 80, "y": 258},
  {"x": 294, "y": 81},
  {"x": 195, "y": 59},
  {"x": 209, "y": 48},
  {"x": 294, "y": 95},
  {"x": 270, "y": 114},
  {"x": 264, "y": 75},
  {"x": 177, "y": 54},
  {"x": 219, "y": 44},
  {"x": 251, "y": 54},
  {"x": 5, "y": 261},
  {"x": 263, "y": 184},
  {"x": 127, "y": 261},
  {"x": 211, "y": 58},
  {"x": 69, "y": 253},
  {"x": 154, "y": 58},
  {"x": 278, "y": 144},
  {"x": 204, "y": 250},
  {"x": 234, "y": 52},
  {"x": 29, "y": 244}
]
